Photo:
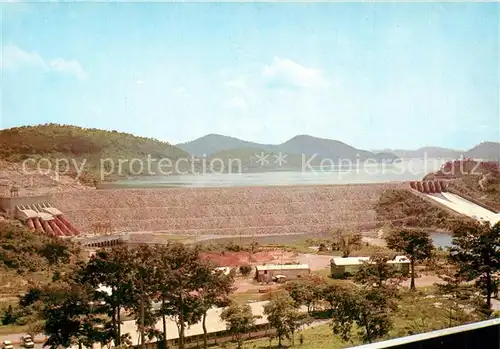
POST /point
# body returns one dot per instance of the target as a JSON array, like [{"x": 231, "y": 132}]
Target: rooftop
[
  {"x": 361, "y": 260},
  {"x": 282, "y": 267},
  {"x": 350, "y": 260}
]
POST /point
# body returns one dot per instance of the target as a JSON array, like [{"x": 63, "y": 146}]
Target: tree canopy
[
  {"x": 476, "y": 252},
  {"x": 416, "y": 244}
]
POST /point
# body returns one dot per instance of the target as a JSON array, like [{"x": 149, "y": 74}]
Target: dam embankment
[{"x": 225, "y": 211}]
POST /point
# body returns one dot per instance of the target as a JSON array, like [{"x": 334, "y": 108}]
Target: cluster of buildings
[{"x": 340, "y": 267}]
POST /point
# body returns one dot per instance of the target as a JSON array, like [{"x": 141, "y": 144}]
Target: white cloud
[
  {"x": 70, "y": 67},
  {"x": 237, "y": 103},
  {"x": 14, "y": 58},
  {"x": 285, "y": 72},
  {"x": 239, "y": 83},
  {"x": 140, "y": 82}
]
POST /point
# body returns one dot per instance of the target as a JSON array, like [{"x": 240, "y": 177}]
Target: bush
[
  {"x": 245, "y": 269},
  {"x": 233, "y": 247},
  {"x": 8, "y": 317},
  {"x": 322, "y": 247}
]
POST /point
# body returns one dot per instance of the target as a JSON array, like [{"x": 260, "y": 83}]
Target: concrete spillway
[{"x": 463, "y": 206}]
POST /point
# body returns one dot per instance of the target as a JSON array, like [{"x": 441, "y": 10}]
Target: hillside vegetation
[
  {"x": 28, "y": 257},
  {"x": 53, "y": 141},
  {"x": 477, "y": 180},
  {"x": 406, "y": 209}
]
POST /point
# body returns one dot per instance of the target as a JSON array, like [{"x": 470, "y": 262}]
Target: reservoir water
[
  {"x": 370, "y": 173},
  {"x": 441, "y": 240}
]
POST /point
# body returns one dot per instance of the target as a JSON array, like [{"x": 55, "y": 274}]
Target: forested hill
[{"x": 71, "y": 142}]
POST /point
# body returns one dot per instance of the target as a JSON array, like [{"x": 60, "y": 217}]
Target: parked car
[
  {"x": 27, "y": 342},
  {"x": 7, "y": 345},
  {"x": 280, "y": 279}
]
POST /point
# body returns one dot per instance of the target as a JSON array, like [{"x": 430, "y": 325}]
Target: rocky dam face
[{"x": 224, "y": 211}]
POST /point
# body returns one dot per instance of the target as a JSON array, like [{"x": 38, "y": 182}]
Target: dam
[
  {"x": 226, "y": 211},
  {"x": 221, "y": 211}
]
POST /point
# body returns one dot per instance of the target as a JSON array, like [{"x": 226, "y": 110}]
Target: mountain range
[
  {"x": 53, "y": 141},
  {"x": 213, "y": 145},
  {"x": 484, "y": 150}
]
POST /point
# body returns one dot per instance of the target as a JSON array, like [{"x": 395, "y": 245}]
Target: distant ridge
[
  {"x": 429, "y": 152},
  {"x": 299, "y": 145},
  {"x": 214, "y": 143},
  {"x": 485, "y": 151}
]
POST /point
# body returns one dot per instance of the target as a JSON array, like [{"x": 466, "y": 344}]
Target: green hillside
[
  {"x": 53, "y": 141},
  {"x": 473, "y": 179},
  {"x": 402, "y": 208}
]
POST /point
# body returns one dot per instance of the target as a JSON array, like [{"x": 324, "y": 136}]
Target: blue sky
[{"x": 372, "y": 75}]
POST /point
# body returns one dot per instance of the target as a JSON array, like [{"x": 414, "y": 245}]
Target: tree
[
  {"x": 239, "y": 320},
  {"x": 57, "y": 251},
  {"x": 302, "y": 292},
  {"x": 69, "y": 317},
  {"x": 368, "y": 309},
  {"x": 111, "y": 275},
  {"x": 245, "y": 269},
  {"x": 215, "y": 289},
  {"x": 416, "y": 244},
  {"x": 378, "y": 272},
  {"x": 8, "y": 316},
  {"x": 162, "y": 274},
  {"x": 146, "y": 286},
  {"x": 283, "y": 315},
  {"x": 186, "y": 281},
  {"x": 345, "y": 241},
  {"x": 476, "y": 252},
  {"x": 333, "y": 295},
  {"x": 462, "y": 295},
  {"x": 294, "y": 321},
  {"x": 31, "y": 306},
  {"x": 306, "y": 291},
  {"x": 254, "y": 246}
]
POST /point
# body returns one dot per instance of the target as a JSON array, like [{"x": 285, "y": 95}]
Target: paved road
[{"x": 15, "y": 338}]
